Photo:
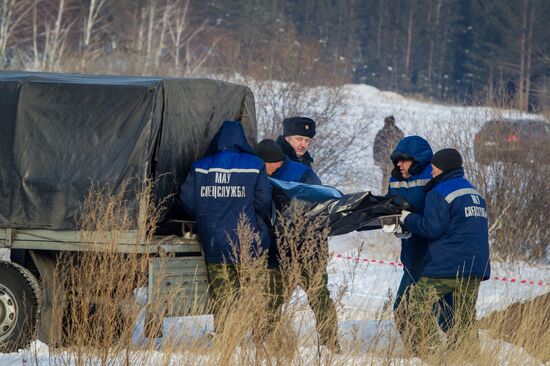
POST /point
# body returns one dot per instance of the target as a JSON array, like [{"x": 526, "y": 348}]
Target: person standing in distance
[
  {"x": 384, "y": 143},
  {"x": 296, "y": 137}
]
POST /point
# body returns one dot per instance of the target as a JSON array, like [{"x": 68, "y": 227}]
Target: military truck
[{"x": 61, "y": 133}]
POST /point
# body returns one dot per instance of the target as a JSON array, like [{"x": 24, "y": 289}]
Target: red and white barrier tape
[{"x": 400, "y": 265}]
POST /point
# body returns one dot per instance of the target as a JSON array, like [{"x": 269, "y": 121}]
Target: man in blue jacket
[
  {"x": 455, "y": 223},
  {"x": 314, "y": 281},
  {"x": 412, "y": 171},
  {"x": 229, "y": 181},
  {"x": 280, "y": 167},
  {"x": 296, "y": 137}
]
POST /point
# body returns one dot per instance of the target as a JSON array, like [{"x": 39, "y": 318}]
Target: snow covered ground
[
  {"x": 364, "y": 321},
  {"x": 367, "y": 331}
]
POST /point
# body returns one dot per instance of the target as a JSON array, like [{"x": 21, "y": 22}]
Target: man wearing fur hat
[
  {"x": 454, "y": 222},
  {"x": 296, "y": 137}
]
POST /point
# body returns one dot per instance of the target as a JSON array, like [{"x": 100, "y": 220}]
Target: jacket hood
[
  {"x": 415, "y": 148},
  {"x": 230, "y": 137}
]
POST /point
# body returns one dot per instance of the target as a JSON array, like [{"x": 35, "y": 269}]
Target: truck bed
[{"x": 123, "y": 242}]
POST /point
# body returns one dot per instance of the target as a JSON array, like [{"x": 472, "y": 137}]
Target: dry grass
[
  {"x": 94, "y": 305},
  {"x": 524, "y": 325},
  {"x": 97, "y": 312}
]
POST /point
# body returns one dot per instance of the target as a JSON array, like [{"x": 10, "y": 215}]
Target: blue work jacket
[
  {"x": 229, "y": 182},
  {"x": 414, "y": 249},
  {"x": 292, "y": 171},
  {"x": 456, "y": 226}
]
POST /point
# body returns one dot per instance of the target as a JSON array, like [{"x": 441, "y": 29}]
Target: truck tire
[{"x": 20, "y": 297}]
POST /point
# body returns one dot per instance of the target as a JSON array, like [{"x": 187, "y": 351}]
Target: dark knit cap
[
  {"x": 301, "y": 126},
  {"x": 447, "y": 159},
  {"x": 270, "y": 151}
]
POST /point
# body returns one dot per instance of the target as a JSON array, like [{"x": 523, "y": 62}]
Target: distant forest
[{"x": 457, "y": 50}]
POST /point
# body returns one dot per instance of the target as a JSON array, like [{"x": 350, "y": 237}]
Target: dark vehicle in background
[{"x": 513, "y": 141}]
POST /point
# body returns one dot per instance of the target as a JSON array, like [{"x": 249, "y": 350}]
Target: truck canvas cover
[{"x": 61, "y": 133}]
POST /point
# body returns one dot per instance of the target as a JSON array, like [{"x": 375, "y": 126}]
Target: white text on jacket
[
  {"x": 223, "y": 191},
  {"x": 475, "y": 211}
]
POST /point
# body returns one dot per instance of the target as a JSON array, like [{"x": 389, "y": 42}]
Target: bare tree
[
  {"x": 523, "y": 41},
  {"x": 150, "y": 28},
  {"x": 91, "y": 30},
  {"x": 290, "y": 81},
  {"x": 50, "y": 40},
  {"x": 12, "y": 12},
  {"x": 529, "y": 54},
  {"x": 380, "y": 26},
  {"x": 412, "y": 7},
  {"x": 186, "y": 51},
  {"x": 160, "y": 45},
  {"x": 179, "y": 26}
]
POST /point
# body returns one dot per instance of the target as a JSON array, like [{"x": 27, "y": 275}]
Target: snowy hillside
[
  {"x": 371, "y": 274},
  {"x": 430, "y": 120}
]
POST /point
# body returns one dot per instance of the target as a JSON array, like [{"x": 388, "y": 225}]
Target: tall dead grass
[
  {"x": 94, "y": 305},
  {"x": 99, "y": 312},
  {"x": 99, "y": 316}
]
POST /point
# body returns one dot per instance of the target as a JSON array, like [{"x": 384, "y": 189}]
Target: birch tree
[
  {"x": 49, "y": 38},
  {"x": 150, "y": 28},
  {"x": 93, "y": 16},
  {"x": 183, "y": 37},
  {"x": 12, "y": 12}
]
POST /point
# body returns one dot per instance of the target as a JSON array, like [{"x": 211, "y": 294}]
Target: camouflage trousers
[
  {"x": 224, "y": 288},
  {"x": 419, "y": 323},
  {"x": 235, "y": 289},
  {"x": 316, "y": 287}
]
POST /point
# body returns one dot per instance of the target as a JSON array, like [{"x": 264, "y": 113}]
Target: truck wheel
[{"x": 19, "y": 306}]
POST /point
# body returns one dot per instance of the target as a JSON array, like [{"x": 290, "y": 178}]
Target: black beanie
[
  {"x": 447, "y": 159},
  {"x": 301, "y": 126},
  {"x": 270, "y": 151}
]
